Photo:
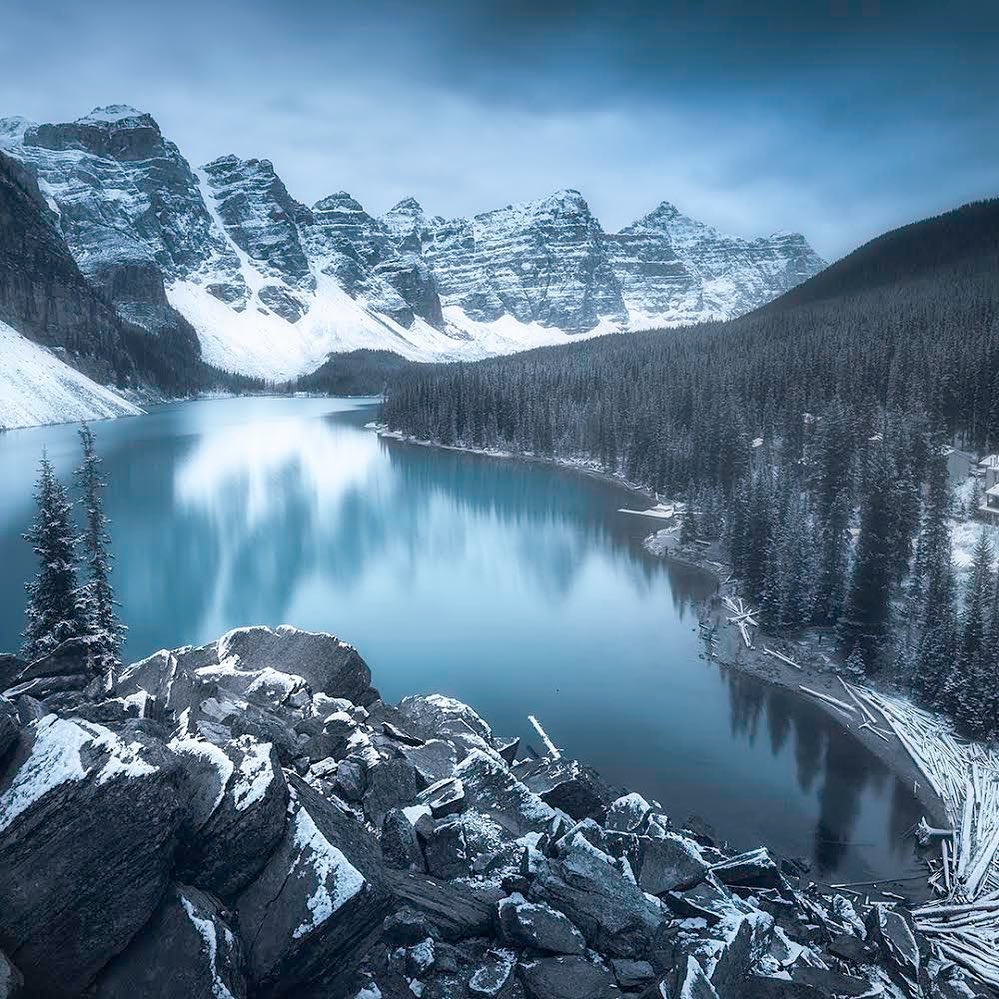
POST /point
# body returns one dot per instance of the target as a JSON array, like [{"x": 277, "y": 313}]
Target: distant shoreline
[{"x": 731, "y": 651}]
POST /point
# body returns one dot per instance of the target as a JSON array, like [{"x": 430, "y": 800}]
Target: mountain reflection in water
[{"x": 514, "y": 586}]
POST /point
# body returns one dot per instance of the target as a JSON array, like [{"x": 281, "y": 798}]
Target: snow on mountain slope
[
  {"x": 271, "y": 286},
  {"x": 36, "y": 387}
]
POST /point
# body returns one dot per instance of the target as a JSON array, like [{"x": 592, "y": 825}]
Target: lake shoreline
[{"x": 731, "y": 652}]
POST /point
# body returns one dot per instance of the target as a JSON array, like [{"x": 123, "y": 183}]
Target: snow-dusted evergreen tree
[
  {"x": 52, "y": 614},
  {"x": 689, "y": 528},
  {"x": 864, "y": 622},
  {"x": 96, "y": 601},
  {"x": 971, "y": 690}
]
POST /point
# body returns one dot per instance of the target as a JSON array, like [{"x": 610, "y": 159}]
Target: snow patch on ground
[{"x": 37, "y": 387}]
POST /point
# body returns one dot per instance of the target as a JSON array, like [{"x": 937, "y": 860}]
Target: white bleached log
[
  {"x": 778, "y": 655},
  {"x": 553, "y": 751}
]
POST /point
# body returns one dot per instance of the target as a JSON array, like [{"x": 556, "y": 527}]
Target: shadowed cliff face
[{"x": 43, "y": 295}]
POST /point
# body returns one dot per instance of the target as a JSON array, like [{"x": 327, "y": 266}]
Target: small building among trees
[
  {"x": 989, "y": 510},
  {"x": 989, "y": 469},
  {"x": 960, "y": 464}
]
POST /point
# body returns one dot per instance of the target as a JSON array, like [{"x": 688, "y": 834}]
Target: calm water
[{"x": 517, "y": 588}]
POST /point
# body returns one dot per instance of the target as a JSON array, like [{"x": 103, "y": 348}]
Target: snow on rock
[
  {"x": 318, "y": 897},
  {"x": 337, "y": 880},
  {"x": 490, "y": 788},
  {"x": 57, "y": 757},
  {"x": 227, "y": 850},
  {"x": 88, "y": 825},
  {"x": 186, "y": 949},
  {"x": 37, "y": 387},
  {"x": 254, "y": 775}
]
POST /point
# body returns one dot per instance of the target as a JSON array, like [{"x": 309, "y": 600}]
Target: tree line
[
  {"x": 810, "y": 437},
  {"x": 71, "y": 595}
]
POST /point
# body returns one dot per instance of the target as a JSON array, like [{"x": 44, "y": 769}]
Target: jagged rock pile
[{"x": 249, "y": 818}]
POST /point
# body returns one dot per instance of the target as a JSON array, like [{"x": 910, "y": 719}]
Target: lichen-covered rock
[
  {"x": 187, "y": 948},
  {"x": 88, "y": 824},
  {"x": 313, "y": 910}
]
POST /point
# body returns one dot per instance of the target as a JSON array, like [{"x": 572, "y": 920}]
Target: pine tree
[
  {"x": 971, "y": 691},
  {"x": 97, "y": 603},
  {"x": 689, "y": 530},
  {"x": 864, "y": 622},
  {"x": 52, "y": 614}
]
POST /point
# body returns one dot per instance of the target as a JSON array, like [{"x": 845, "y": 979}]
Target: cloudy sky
[{"x": 838, "y": 118}]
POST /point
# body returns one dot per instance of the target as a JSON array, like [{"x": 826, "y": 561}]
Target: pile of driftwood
[
  {"x": 963, "y": 922},
  {"x": 743, "y": 617}
]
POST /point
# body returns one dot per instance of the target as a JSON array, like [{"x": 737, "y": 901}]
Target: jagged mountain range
[{"x": 271, "y": 286}]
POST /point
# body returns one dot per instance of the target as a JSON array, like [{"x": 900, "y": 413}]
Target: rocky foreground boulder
[{"x": 250, "y": 819}]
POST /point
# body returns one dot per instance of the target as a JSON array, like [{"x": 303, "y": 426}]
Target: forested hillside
[{"x": 824, "y": 412}]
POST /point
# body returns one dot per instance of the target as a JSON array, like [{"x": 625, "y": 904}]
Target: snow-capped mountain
[{"x": 271, "y": 287}]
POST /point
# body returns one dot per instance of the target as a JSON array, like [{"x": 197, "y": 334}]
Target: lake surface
[{"x": 516, "y": 587}]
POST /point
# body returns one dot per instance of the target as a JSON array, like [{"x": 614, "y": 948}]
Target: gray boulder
[
  {"x": 10, "y": 726},
  {"x": 434, "y": 760},
  {"x": 492, "y": 789},
  {"x": 317, "y": 905},
  {"x": 328, "y": 665},
  {"x": 390, "y": 784},
  {"x": 455, "y": 911},
  {"x": 400, "y": 844},
  {"x": 568, "y": 978},
  {"x": 244, "y": 824},
  {"x": 186, "y": 949},
  {"x": 755, "y": 869},
  {"x": 565, "y": 784},
  {"x": 672, "y": 863},
  {"x": 88, "y": 823},
  {"x": 534, "y": 924},
  {"x": 614, "y": 914},
  {"x": 447, "y": 852},
  {"x": 11, "y": 980}
]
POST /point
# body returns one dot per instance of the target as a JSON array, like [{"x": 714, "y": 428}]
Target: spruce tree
[
  {"x": 864, "y": 622},
  {"x": 52, "y": 614},
  {"x": 971, "y": 691},
  {"x": 97, "y": 603}
]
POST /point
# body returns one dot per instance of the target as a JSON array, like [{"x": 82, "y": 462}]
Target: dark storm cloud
[{"x": 836, "y": 118}]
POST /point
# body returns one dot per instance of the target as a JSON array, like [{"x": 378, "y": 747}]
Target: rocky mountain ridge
[
  {"x": 272, "y": 286},
  {"x": 250, "y": 818}
]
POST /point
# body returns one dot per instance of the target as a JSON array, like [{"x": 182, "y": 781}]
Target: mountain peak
[
  {"x": 118, "y": 116},
  {"x": 408, "y": 205}
]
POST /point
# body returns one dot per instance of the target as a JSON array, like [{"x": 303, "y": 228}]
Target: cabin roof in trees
[
  {"x": 990, "y": 461},
  {"x": 757, "y": 442}
]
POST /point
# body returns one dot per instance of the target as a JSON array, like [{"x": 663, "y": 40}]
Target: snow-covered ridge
[
  {"x": 273, "y": 286},
  {"x": 37, "y": 387}
]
